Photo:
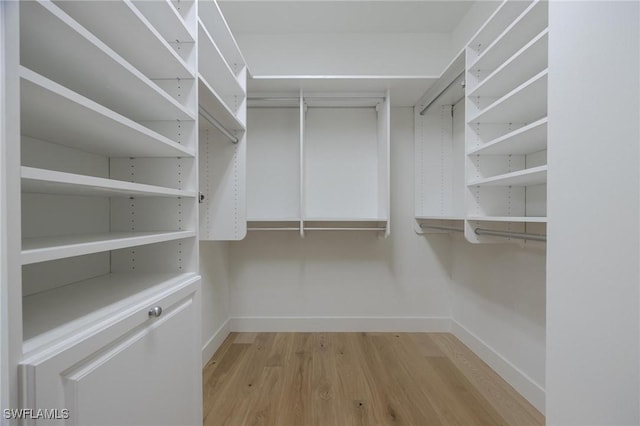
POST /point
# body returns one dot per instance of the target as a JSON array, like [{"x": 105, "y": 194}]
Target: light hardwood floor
[{"x": 343, "y": 379}]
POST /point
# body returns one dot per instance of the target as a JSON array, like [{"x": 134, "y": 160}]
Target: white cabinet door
[{"x": 150, "y": 375}]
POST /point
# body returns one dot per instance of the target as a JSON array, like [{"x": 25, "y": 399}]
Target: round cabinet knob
[{"x": 156, "y": 311}]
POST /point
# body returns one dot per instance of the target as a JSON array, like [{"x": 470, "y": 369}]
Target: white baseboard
[
  {"x": 522, "y": 383},
  {"x": 340, "y": 324},
  {"x": 215, "y": 341}
]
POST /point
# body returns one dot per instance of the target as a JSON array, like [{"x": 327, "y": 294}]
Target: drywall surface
[
  {"x": 215, "y": 295},
  {"x": 592, "y": 291},
  {"x": 499, "y": 302},
  {"x": 346, "y": 280},
  {"x": 346, "y": 54}
]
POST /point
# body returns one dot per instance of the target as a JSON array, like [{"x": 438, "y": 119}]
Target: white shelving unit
[
  {"x": 439, "y": 153},
  {"x": 506, "y": 130},
  {"x": 318, "y": 161},
  {"x": 222, "y": 88},
  {"x": 104, "y": 195}
]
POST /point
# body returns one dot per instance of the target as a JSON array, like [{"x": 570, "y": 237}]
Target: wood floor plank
[
  {"x": 510, "y": 404},
  {"x": 360, "y": 379}
]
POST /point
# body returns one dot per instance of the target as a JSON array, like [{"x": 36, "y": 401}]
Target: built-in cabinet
[
  {"x": 318, "y": 161},
  {"x": 485, "y": 167},
  {"x": 103, "y": 199}
]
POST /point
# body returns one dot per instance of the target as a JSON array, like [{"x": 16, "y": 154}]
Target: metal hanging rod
[
  {"x": 441, "y": 228},
  {"x": 508, "y": 234},
  {"x": 215, "y": 123},
  {"x": 442, "y": 92}
]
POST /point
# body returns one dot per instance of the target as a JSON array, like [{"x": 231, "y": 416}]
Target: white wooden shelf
[
  {"x": 439, "y": 218},
  {"x": 526, "y": 177},
  {"x": 212, "y": 18},
  {"x": 58, "y": 47},
  {"x": 525, "y": 140},
  {"x": 529, "y": 60},
  {"x": 345, "y": 219},
  {"x": 269, "y": 219},
  {"x": 515, "y": 219},
  {"x": 524, "y": 104},
  {"x": 56, "y": 114},
  {"x": 216, "y": 71},
  {"x": 212, "y": 103},
  {"x": 503, "y": 16},
  {"x": 53, "y": 182},
  {"x": 50, "y": 248},
  {"x": 63, "y": 311},
  {"x": 166, "y": 19},
  {"x": 531, "y": 22},
  {"x": 151, "y": 54}
]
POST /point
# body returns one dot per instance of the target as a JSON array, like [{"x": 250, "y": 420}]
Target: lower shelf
[
  {"x": 518, "y": 219},
  {"x": 63, "y": 311},
  {"x": 51, "y": 248}
]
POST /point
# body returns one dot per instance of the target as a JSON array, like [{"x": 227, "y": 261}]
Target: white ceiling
[{"x": 343, "y": 16}]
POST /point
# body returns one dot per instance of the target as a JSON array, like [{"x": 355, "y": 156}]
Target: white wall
[
  {"x": 345, "y": 54},
  {"x": 214, "y": 261},
  {"x": 342, "y": 280},
  {"x": 499, "y": 310},
  {"x": 593, "y": 277}
]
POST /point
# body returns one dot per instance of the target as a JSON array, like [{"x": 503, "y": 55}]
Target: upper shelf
[
  {"x": 525, "y": 140},
  {"x": 503, "y": 16},
  {"x": 213, "y": 20},
  {"x": 150, "y": 53},
  {"x": 524, "y": 104},
  {"x": 516, "y": 35},
  {"x": 53, "y": 182},
  {"x": 54, "y": 113},
  {"x": 166, "y": 19},
  {"x": 214, "y": 68},
  {"x": 211, "y": 102},
  {"x": 58, "y": 47},
  {"x": 405, "y": 90}
]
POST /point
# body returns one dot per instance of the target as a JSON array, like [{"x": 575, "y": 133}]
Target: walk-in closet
[{"x": 320, "y": 212}]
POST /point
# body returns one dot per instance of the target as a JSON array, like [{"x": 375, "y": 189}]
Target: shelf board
[
  {"x": 523, "y": 104},
  {"x": 531, "y": 22},
  {"x": 405, "y": 90},
  {"x": 211, "y": 16},
  {"x": 63, "y": 311},
  {"x": 54, "y": 113},
  {"x": 439, "y": 217},
  {"x": 516, "y": 219},
  {"x": 36, "y": 250},
  {"x": 151, "y": 54},
  {"x": 345, "y": 219},
  {"x": 499, "y": 20},
  {"x": 526, "y": 177},
  {"x": 528, "y": 61},
  {"x": 55, "y": 45},
  {"x": 525, "y": 140},
  {"x": 286, "y": 219},
  {"x": 53, "y": 182},
  {"x": 213, "y": 67},
  {"x": 166, "y": 19},
  {"x": 211, "y": 102}
]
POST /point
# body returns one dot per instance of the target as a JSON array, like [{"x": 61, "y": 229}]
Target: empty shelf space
[
  {"x": 50, "y": 248},
  {"x": 523, "y": 104},
  {"x": 448, "y": 218},
  {"x": 166, "y": 20},
  {"x": 54, "y": 182},
  {"x": 526, "y": 177},
  {"x": 60, "y": 312},
  {"x": 150, "y": 53},
  {"x": 504, "y": 16},
  {"x": 216, "y": 71},
  {"x": 528, "y": 61},
  {"x": 525, "y": 140},
  {"x": 56, "y": 114},
  {"x": 516, "y": 35},
  {"x": 55, "y": 45},
  {"x": 212, "y": 18},
  {"x": 213, "y": 104},
  {"x": 515, "y": 219}
]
